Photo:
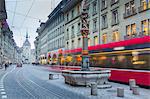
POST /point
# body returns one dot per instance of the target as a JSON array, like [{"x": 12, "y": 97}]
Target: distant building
[
  {"x": 33, "y": 58},
  {"x": 28, "y": 54}
]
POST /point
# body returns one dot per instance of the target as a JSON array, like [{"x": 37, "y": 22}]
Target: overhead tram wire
[
  {"x": 27, "y": 13},
  {"x": 21, "y": 14},
  {"x": 17, "y": 0},
  {"x": 14, "y": 13}
]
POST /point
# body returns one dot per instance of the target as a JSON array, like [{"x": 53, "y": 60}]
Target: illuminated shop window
[
  {"x": 128, "y": 30},
  {"x": 133, "y": 28},
  {"x": 73, "y": 46},
  {"x": 104, "y": 38},
  {"x": 79, "y": 42},
  {"x": 95, "y": 40},
  {"x": 78, "y": 9},
  {"x": 144, "y": 4},
  {"x": 145, "y": 27},
  {"x": 89, "y": 42},
  {"x": 121, "y": 58},
  {"x": 149, "y": 25},
  {"x": 116, "y": 36}
]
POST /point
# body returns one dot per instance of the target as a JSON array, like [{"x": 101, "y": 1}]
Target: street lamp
[{"x": 84, "y": 32}]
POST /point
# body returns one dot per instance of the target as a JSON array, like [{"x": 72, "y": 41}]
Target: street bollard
[
  {"x": 135, "y": 90},
  {"x": 94, "y": 89},
  {"x": 50, "y": 76},
  {"x": 132, "y": 83},
  {"x": 120, "y": 92}
]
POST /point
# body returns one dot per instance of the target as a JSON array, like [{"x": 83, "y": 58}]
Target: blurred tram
[{"x": 128, "y": 59}]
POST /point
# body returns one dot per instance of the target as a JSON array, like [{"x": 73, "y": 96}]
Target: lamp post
[{"x": 84, "y": 32}]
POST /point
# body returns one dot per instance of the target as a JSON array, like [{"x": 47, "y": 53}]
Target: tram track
[
  {"x": 33, "y": 88},
  {"x": 53, "y": 88}
]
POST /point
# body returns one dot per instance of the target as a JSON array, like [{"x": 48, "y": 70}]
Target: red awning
[{"x": 130, "y": 42}]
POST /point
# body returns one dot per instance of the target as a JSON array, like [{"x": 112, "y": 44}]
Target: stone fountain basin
[{"x": 84, "y": 78}]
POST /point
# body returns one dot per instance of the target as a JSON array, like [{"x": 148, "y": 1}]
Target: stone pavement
[
  {"x": 1, "y": 72},
  {"x": 109, "y": 93}
]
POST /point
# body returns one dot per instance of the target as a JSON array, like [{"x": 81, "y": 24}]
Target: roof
[{"x": 26, "y": 43}]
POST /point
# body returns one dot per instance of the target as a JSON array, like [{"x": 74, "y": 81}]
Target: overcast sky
[{"x": 24, "y": 16}]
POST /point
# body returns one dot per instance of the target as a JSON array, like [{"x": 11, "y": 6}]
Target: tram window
[{"x": 142, "y": 63}]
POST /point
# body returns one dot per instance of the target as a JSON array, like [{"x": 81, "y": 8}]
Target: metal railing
[{"x": 141, "y": 34}]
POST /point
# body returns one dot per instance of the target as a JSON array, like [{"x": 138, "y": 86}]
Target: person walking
[{"x": 5, "y": 66}]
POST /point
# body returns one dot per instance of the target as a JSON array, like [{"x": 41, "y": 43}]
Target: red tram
[{"x": 128, "y": 59}]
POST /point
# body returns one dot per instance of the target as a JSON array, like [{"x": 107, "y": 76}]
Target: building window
[
  {"x": 104, "y": 4},
  {"x": 72, "y": 14},
  {"x": 88, "y": 10},
  {"x": 72, "y": 30},
  {"x": 95, "y": 25},
  {"x": 78, "y": 9},
  {"x": 115, "y": 19},
  {"x": 133, "y": 29},
  {"x": 127, "y": 8},
  {"x": 79, "y": 27},
  {"x": 128, "y": 30},
  {"x": 94, "y": 7},
  {"x": 88, "y": 24},
  {"x": 67, "y": 17},
  {"x": 144, "y": 4},
  {"x": 130, "y": 9},
  {"x": 89, "y": 42},
  {"x": 79, "y": 42},
  {"x": 104, "y": 38},
  {"x": 67, "y": 45},
  {"x": 113, "y": 1},
  {"x": 116, "y": 36},
  {"x": 104, "y": 21},
  {"x": 149, "y": 25},
  {"x": 144, "y": 27},
  {"x": 67, "y": 36},
  {"x": 73, "y": 44},
  {"x": 95, "y": 40}
]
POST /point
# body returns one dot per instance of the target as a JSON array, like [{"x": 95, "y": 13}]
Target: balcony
[
  {"x": 127, "y": 37},
  {"x": 113, "y": 2},
  {"x": 94, "y": 13},
  {"x": 130, "y": 13},
  {"x": 144, "y": 7},
  {"x": 103, "y": 8},
  {"x": 114, "y": 22},
  {"x": 141, "y": 34},
  {"x": 95, "y": 30},
  {"x": 105, "y": 26}
]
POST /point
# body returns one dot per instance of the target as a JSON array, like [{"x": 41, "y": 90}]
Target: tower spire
[{"x": 27, "y": 34}]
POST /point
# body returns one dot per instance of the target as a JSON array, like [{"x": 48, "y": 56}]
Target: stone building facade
[
  {"x": 51, "y": 36},
  {"x": 8, "y": 49},
  {"x": 109, "y": 21}
]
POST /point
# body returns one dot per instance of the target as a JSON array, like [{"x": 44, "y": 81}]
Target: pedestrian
[{"x": 5, "y": 66}]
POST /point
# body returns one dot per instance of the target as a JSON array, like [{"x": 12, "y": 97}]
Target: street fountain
[{"x": 85, "y": 76}]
